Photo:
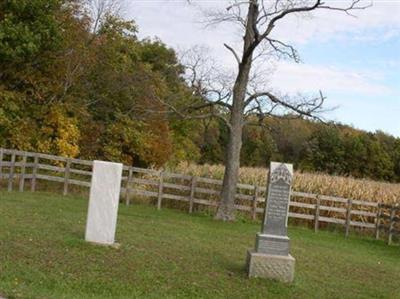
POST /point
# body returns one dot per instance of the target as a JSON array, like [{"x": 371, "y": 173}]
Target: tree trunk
[{"x": 226, "y": 208}]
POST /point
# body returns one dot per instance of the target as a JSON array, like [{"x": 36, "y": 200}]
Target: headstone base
[
  {"x": 276, "y": 267},
  {"x": 272, "y": 244}
]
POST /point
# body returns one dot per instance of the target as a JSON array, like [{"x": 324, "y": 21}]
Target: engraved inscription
[
  {"x": 277, "y": 247},
  {"x": 276, "y": 213},
  {"x": 278, "y": 197},
  {"x": 270, "y": 245},
  {"x": 275, "y": 221}
]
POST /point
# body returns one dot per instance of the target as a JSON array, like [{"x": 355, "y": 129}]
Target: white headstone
[{"x": 103, "y": 202}]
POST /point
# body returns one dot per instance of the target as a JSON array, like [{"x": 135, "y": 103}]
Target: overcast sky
[{"x": 354, "y": 61}]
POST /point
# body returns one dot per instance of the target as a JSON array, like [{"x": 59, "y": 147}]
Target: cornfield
[{"x": 318, "y": 183}]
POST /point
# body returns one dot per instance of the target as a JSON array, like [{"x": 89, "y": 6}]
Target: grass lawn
[{"x": 170, "y": 254}]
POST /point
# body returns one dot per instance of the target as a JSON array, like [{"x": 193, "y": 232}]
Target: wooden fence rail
[{"x": 17, "y": 167}]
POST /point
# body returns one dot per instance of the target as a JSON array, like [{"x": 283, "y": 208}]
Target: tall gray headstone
[
  {"x": 271, "y": 258},
  {"x": 103, "y": 202}
]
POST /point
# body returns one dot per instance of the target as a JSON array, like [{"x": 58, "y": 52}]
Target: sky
[{"x": 354, "y": 61}]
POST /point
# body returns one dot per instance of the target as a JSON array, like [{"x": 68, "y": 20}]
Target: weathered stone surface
[
  {"x": 272, "y": 244},
  {"x": 278, "y": 197},
  {"x": 103, "y": 203},
  {"x": 271, "y": 258},
  {"x": 276, "y": 267}
]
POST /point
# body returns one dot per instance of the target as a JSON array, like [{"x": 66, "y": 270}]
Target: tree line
[
  {"x": 75, "y": 84},
  {"x": 313, "y": 146}
]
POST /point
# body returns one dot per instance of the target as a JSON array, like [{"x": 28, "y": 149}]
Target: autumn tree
[
  {"x": 76, "y": 80},
  {"x": 34, "y": 82}
]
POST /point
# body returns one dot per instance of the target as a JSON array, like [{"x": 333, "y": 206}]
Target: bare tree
[
  {"x": 246, "y": 98},
  {"x": 98, "y": 10},
  {"x": 241, "y": 98},
  {"x": 210, "y": 83}
]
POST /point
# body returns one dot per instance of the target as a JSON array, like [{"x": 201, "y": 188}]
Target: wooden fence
[{"x": 19, "y": 167}]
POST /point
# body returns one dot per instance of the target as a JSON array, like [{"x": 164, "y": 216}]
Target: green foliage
[
  {"x": 350, "y": 152},
  {"x": 310, "y": 146},
  {"x": 258, "y": 147},
  {"x": 115, "y": 27},
  {"x": 27, "y": 27},
  {"x": 396, "y": 157},
  {"x": 289, "y": 136},
  {"x": 326, "y": 150},
  {"x": 212, "y": 141}
]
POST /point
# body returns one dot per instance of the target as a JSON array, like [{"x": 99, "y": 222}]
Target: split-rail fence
[{"x": 19, "y": 168}]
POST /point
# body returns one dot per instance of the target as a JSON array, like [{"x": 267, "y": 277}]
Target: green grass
[{"x": 170, "y": 254}]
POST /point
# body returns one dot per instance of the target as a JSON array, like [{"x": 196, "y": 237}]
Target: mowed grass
[{"x": 170, "y": 254}]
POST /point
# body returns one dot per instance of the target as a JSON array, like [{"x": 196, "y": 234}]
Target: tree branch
[
  {"x": 307, "y": 108},
  {"x": 347, "y": 10},
  {"x": 233, "y": 52},
  {"x": 289, "y": 51}
]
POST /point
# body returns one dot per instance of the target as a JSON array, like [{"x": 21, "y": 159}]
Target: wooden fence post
[
  {"x": 255, "y": 196},
  {"x": 11, "y": 174},
  {"x": 22, "y": 177},
  {"x": 1, "y": 165},
  {"x": 127, "y": 187},
  {"x": 316, "y": 217},
  {"x": 66, "y": 176},
  {"x": 192, "y": 193},
  {"x": 378, "y": 221},
  {"x": 348, "y": 216},
  {"x": 34, "y": 172},
  {"x": 160, "y": 189},
  {"x": 391, "y": 225}
]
